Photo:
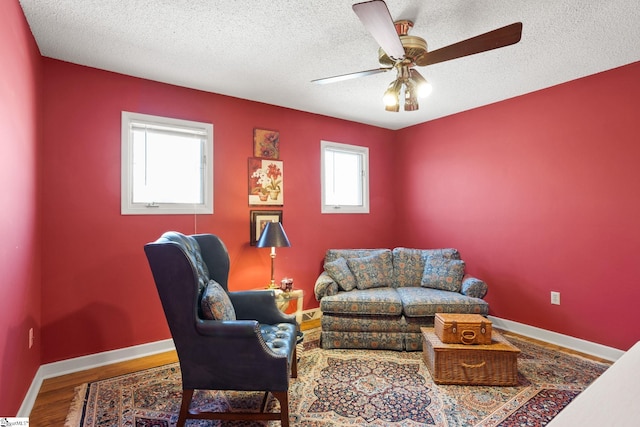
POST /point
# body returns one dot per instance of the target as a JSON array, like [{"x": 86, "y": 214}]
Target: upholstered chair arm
[
  {"x": 238, "y": 346},
  {"x": 259, "y": 305},
  {"x": 473, "y": 287},
  {"x": 227, "y": 328},
  {"x": 324, "y": 286}
]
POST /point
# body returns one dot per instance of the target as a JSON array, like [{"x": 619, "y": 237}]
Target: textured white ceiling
[{"x": 269, "y": 51}]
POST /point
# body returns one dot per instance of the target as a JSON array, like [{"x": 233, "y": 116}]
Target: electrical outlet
[
  {"x": 555, "y": 298},
  {"x": 30, "y": 337}
]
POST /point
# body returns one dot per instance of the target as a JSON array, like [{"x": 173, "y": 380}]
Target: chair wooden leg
[
  {"x": 294, "y": 364},
  {"x": 187, "y": 394},
  {"x": 265, "y": 399},
  {"x": 283, "y": 398}
]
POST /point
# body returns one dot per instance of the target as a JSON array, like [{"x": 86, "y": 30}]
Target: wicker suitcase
[
  {"x": 463, "y": 328},
  {"x": 494, "y": 364}
]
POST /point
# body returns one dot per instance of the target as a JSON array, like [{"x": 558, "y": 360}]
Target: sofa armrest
[
  {"x": 473, "y": 287},
  {"x": 324, "y": 286}
]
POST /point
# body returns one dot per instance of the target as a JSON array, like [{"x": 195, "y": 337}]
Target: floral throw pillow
[
  {"x": 340, "y": 272},
  {"x": 215, "y": 303},
  {"x": 372, "y": 271},
  {"x": 442, "y": 273}
]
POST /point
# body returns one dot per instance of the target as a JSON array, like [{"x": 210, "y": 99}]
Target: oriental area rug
[{"x": 352, "y": 388}]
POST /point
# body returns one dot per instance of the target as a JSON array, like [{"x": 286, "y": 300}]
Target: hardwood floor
[{"x": 55, "y": 395}]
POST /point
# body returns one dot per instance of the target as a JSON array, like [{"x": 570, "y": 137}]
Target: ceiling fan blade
[
  {"x": 495, "y": 39},
  {"x": 377, "y": 20},
  {"x": 350, "y": 76}
]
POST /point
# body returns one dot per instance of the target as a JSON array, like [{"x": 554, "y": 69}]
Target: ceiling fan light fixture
[
  {"x": 393, "y": 108},
  {"x": 410, "y": 97},
  {"x": 424, "y": 90},
  {"x": 391, "y": 97},
  {"x": 423, "y": 87}
]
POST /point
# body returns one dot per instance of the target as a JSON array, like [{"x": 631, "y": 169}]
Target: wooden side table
[{"x": 284, "y": 298}]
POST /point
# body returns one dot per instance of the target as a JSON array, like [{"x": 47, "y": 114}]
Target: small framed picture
[
  {"x": 266, "y": 143},
  {"x": 259, "y": 220}
]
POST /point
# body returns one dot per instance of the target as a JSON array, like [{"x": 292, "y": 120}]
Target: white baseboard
[
  {"x": 83, "y": 363},
  {"x": 577, "y": 344},
  {"x": 68, "y": 366}
]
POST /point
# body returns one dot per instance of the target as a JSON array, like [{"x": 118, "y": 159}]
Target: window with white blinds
[{"x": 167, "y": 165}]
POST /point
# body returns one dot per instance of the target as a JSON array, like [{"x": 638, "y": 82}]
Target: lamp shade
[{"x": 273, "y": 236}]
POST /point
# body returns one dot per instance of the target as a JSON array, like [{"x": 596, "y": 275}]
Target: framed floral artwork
[
  {"x": 259, "y": 220},
  {"x": 266, "y": 144},
  {"x": 266, "y": 182}
]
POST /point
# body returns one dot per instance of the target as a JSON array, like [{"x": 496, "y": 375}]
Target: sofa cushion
[
  {"x": 408, "y": 264},
  {"x": 340, "y": 272},
  {"x": 215, "y": 303},
  {"x": 448, "y": 253},
  {"x": 334, "y": 254},
  {"x": 443, "y": 273},
  {"x": 420, "y": 302},
  {"x": 373, "y": 271},
  {"x": 373, "y": 302}
]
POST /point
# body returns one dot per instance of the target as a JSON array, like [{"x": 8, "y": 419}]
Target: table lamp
[{"x": 273, "y": 236}]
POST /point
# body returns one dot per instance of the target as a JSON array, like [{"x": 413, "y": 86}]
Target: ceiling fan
[{"x": 401, "y": 52}]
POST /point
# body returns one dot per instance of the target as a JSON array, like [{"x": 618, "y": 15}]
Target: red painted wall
[
  {"x": 539, "y": 193},
  {"x": 97, "y": 288},
  {"x": 20, "y": 76}
]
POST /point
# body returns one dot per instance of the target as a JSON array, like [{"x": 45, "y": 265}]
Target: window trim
[
  {"x": 127, "y": 207},
  {"x": 353, "y": 149}
]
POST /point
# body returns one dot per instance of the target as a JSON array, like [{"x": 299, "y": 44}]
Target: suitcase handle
[{"x": 467, "y": 336}]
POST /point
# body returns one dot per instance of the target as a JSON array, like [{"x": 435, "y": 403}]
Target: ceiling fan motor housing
[{"x": 414, "y": 47}]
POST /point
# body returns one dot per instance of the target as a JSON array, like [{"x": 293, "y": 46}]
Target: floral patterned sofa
[{"x": 380, "y": 298}]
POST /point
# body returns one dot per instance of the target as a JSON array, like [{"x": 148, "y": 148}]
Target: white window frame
[
  {"x": 363, "y": 152},
  {"x": 127, "y": 206}
]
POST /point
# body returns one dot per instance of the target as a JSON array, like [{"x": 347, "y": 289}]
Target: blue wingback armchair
[{"x": 224, "y": 340}]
